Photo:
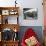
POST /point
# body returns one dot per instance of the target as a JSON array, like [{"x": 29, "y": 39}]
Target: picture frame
[
  {"x": 13, "y": 12},
  {"x": 5, "y": 12},
  {"x": 30, "y": 13}
]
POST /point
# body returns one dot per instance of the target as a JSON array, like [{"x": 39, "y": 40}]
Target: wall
[
  {"x": 27, "y": 4},
  {"x": 32, "y": 4}
]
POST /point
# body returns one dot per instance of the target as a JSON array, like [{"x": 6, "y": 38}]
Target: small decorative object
[
  {"x": 13, "y": 12},
  {"x": 7, "y": 34},
  {"x": 6, "y": 21},
  {"x": 30, "y": 13},
  {"x": 15, "y": 30},
  {"x": 5, "y": 12},
  {"x": 15, "y": 3},
  {"x": 15, "y": 35}
]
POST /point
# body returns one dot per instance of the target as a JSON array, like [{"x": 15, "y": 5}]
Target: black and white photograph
[{"x": 30, "y": 13}]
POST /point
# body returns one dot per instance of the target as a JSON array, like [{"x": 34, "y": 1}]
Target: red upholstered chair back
[{"x": 29, "y": 33}]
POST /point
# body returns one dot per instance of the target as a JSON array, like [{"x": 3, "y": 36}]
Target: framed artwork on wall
[
  {"x": 5, "y": 12},
  {"x": 30, "y": 13}
]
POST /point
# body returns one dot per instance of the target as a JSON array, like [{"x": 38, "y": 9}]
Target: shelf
[
  {"x": 7, "y": 16},
  {"x": 4, "y": 8},
  {"x": 10, "y": 26},
  {"x": 9, "y": 10},
  {"x": 11, "y": 15},
  {"x": 13, "y": 19},
  {"x": 11, "y": 41},
  {"x": 6, "y": 12}
]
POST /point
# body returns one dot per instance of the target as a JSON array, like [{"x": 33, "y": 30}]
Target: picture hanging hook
[{"x": 15, "y": 3}]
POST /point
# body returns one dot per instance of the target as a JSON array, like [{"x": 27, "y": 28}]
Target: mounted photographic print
[
  {"x": 5, "y": 12},
  {"x": 30, "y": 13}
]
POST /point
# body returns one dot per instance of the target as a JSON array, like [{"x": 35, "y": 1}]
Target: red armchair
[{"x": 29, "y": 33}]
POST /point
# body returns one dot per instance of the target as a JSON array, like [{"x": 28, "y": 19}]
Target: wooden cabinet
[
  {"x": 10, "y": 43},
  {"x": 9, "y": 24}
]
